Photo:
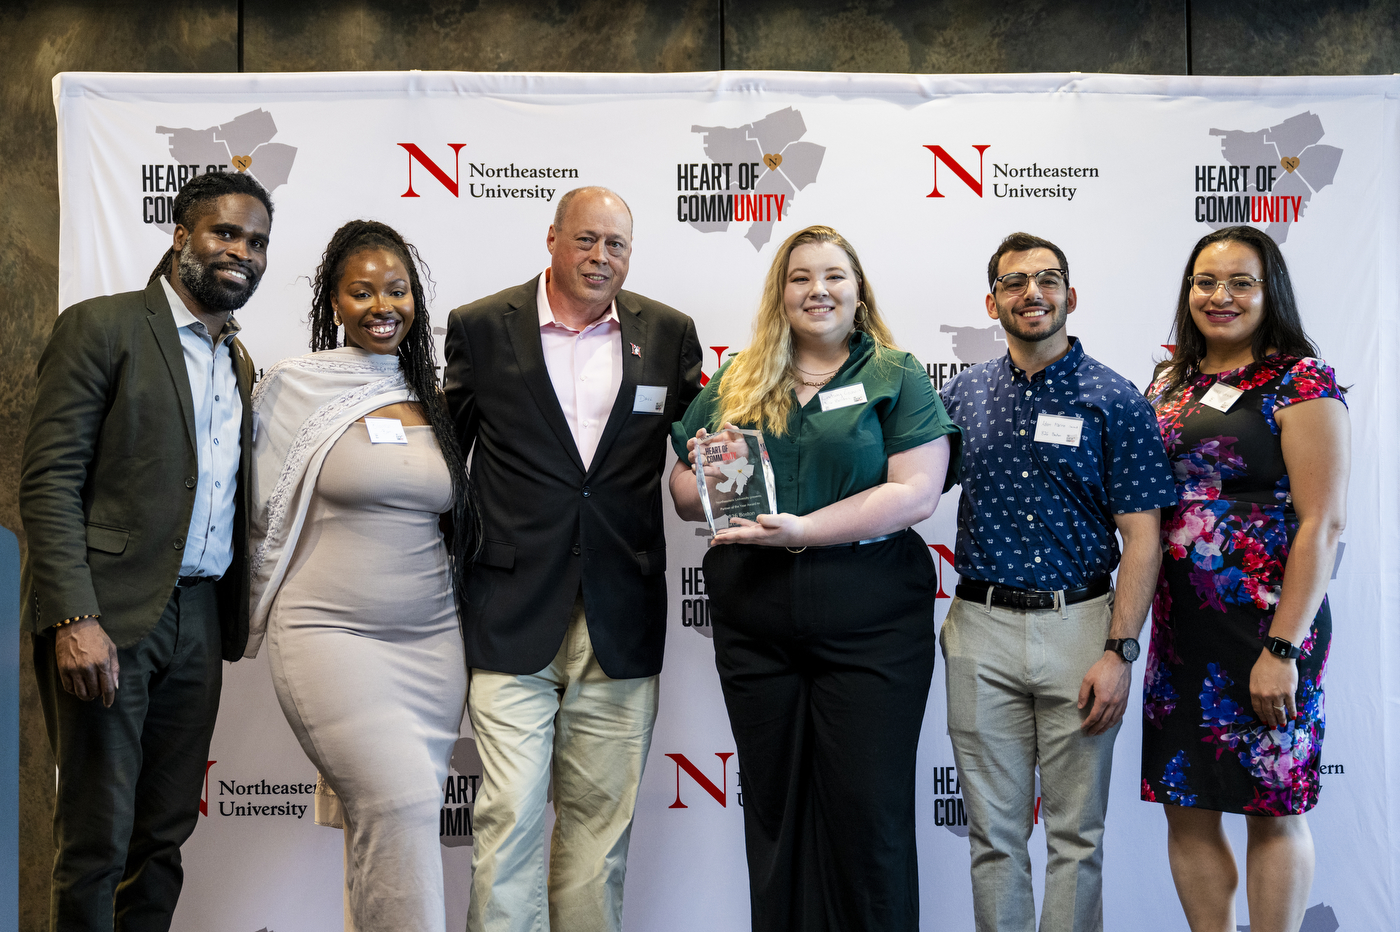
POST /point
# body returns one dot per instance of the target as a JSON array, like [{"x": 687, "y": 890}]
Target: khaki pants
[
  {"x": 596, "y": 732},
  {"x": 1013, "y": 683}
]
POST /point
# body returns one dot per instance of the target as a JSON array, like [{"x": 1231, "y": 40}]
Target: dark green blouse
[{"x": 827, "y": 456}]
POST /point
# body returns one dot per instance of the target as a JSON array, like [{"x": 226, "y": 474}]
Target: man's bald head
[{"x": 561, "y": 210}]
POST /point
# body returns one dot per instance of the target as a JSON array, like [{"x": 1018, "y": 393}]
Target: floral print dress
[{"x": 1224, "y": 547}]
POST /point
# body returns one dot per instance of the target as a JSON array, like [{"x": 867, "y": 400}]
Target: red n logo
[
  {"x": 721, "y": 796},
  {"x": 204, "y": 803},
  {"x": 941, "y": 554},
  {"x": 941, "y": 155},
  {"x": 415, "y": 153},
  {"x": 719, "y": 361}
]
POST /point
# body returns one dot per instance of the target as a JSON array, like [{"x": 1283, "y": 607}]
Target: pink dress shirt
[{"x": 586, "y": 369}]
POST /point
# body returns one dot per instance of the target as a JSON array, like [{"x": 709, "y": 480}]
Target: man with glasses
[{"x": 1059, "y": 453}]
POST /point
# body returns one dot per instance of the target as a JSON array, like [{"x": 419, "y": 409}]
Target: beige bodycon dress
[{"x": 368, "y": 665}]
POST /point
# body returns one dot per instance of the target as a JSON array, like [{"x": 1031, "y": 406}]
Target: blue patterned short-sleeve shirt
[{"x": 1039, "y": 515}]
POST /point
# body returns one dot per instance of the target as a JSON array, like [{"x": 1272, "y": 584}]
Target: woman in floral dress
[{"x": 1258, "y": 435}]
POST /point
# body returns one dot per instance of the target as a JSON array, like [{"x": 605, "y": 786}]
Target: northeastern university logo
[{"x": 1013, "y": 178}]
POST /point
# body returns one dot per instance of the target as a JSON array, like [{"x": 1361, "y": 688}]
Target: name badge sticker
[
  {"x": 842, "y": 397},
  {"x": 651, "y": 399},
  {"x": 1052, "y": 428},
  {"x": 1221, "y": 397},
  {"x": 385, "y": 430}
]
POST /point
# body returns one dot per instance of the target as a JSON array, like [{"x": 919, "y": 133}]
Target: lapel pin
[{"x": 636, "y": 350}]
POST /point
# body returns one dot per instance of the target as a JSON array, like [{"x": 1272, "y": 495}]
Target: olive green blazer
[{"x": 108, "y": 477}]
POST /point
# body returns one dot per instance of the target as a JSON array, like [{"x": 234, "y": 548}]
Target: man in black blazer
[
  {"x": 134, "y": 496},
  {"x": 567, "y": 386}
]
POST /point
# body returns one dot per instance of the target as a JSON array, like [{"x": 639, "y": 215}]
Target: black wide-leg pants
[
  {"x": 825, "y": 658},
  {"x": 130, "y": 777}
]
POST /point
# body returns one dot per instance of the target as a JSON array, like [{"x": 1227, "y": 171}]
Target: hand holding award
[{"x": 734, "y": 476}]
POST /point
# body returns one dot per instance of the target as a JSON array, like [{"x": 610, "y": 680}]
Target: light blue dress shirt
[{"x": 218, "y": 421}]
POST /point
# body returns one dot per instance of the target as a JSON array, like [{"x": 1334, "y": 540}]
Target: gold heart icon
[
  {"x": 1289, "y": 162},
  {"x": 774, "y": 160},
  {"x": 241, "y": 162}
]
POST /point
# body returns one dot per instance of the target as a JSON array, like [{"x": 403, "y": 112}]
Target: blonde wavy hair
[{"x": 758, "y": 387}]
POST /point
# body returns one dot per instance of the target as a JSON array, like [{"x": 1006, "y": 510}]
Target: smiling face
[
  {"x": 374, "y": 301},
  {"x": 589, "y": 252},
  {"x": 821, "y": 294},
  {"x": 221, "y": 258},
  {"x": 1032, "y": 316},
  {"x": 1223, "y": 319}
]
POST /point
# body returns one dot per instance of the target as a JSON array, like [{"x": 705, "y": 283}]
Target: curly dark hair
[
  {"x": 1281, "y": 329},
  {"x": 418, "y": 361},
  {"x": 197, "y": 197}
]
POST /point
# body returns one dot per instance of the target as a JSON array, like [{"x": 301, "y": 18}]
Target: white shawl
[{"x": 301, "y": 406}]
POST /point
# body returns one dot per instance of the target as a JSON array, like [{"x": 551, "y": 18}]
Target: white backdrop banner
[{"x": 925, "y": 175}]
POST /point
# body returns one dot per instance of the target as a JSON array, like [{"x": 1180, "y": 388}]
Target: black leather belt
[
  {"x": 1029, "y": 599},
  {"x": 187, "y": 582}
]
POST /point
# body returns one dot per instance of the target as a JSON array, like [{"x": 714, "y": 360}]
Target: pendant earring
[{"x": 336, "y": 318}]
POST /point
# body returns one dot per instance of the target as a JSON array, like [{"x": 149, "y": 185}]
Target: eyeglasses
[
  {"x": 1240, "y": 286},
  {"x": 1048, "y": 280}
]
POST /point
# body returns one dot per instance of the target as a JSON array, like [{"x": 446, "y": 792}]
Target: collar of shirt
[
  {"x": 547, "y": 313},
  {"x": 1060, "y": 368},
  {"x": 184, "y": 318}
]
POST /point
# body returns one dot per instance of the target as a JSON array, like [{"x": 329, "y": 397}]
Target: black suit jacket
[
  {"x": 108, "y": 477},
  {"x": 550, "y": 525}
]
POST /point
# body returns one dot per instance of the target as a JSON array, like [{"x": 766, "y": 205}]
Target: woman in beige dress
[{"x": 355, "y": 585}]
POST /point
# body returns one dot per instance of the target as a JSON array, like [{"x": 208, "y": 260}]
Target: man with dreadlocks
[
  {"x": 567, "y": 385},
  {"x": 134, "y": 494}
]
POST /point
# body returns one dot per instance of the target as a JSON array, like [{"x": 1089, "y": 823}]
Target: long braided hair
[{"x": 417, "y": 360}]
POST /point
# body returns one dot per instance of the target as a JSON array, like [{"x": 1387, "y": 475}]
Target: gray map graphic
[
  {"x": 248, "y": 134},
  {"x": 1319, "y": 918},
  {"x": 976, "y": 344},
  {"x": 1296, "y": 137},
  {"x": 777, "y": 133}
]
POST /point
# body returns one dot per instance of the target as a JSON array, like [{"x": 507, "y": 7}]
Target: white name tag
[
  {"x": 1051, "y": 428},
  {"x": 1221, "y": 396},
  {"x": 651, "y": 399},
  {"x": 842, "y": 397},
  {"x": 385, "y": 430}
]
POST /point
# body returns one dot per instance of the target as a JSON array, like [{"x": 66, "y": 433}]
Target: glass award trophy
[{"x": 734, "y": 476}]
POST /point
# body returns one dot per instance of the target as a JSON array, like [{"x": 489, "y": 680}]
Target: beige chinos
[{"x": 1013, "y": 681}]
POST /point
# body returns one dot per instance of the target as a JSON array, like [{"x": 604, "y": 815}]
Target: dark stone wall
[{"x": 39, "y": 39}]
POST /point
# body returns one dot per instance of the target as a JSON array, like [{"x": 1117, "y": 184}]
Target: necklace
[{"x": 830, "y": 374}]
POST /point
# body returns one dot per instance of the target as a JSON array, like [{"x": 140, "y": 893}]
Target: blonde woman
[{"x": 823, "y": 612}]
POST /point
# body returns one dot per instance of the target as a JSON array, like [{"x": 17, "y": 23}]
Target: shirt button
[
  {"x": 575, "y": 549},
  {"x": 218, "y": 484},
  {"x": 1023, "y": 433},
  {"x": 1030, "y": 517},
  {"x": 1025, "y": 475},
  {"x": 1037, "y": 559},
  {"x": 216, "y": 441},
  {"x": 216, "y": 397},
  {"x": 190, "y": 482},
  {"x": 1028, "y": 393}
]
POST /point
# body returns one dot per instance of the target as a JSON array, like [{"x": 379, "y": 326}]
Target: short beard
[
  {"x": 1010, "y": 322},
  {"x": 208, "y": 290}
]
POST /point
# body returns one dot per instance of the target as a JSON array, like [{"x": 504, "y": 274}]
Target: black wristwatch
[
  {"x": 1127, "y": 648},
  {"x": 1282, "y": 647}
]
